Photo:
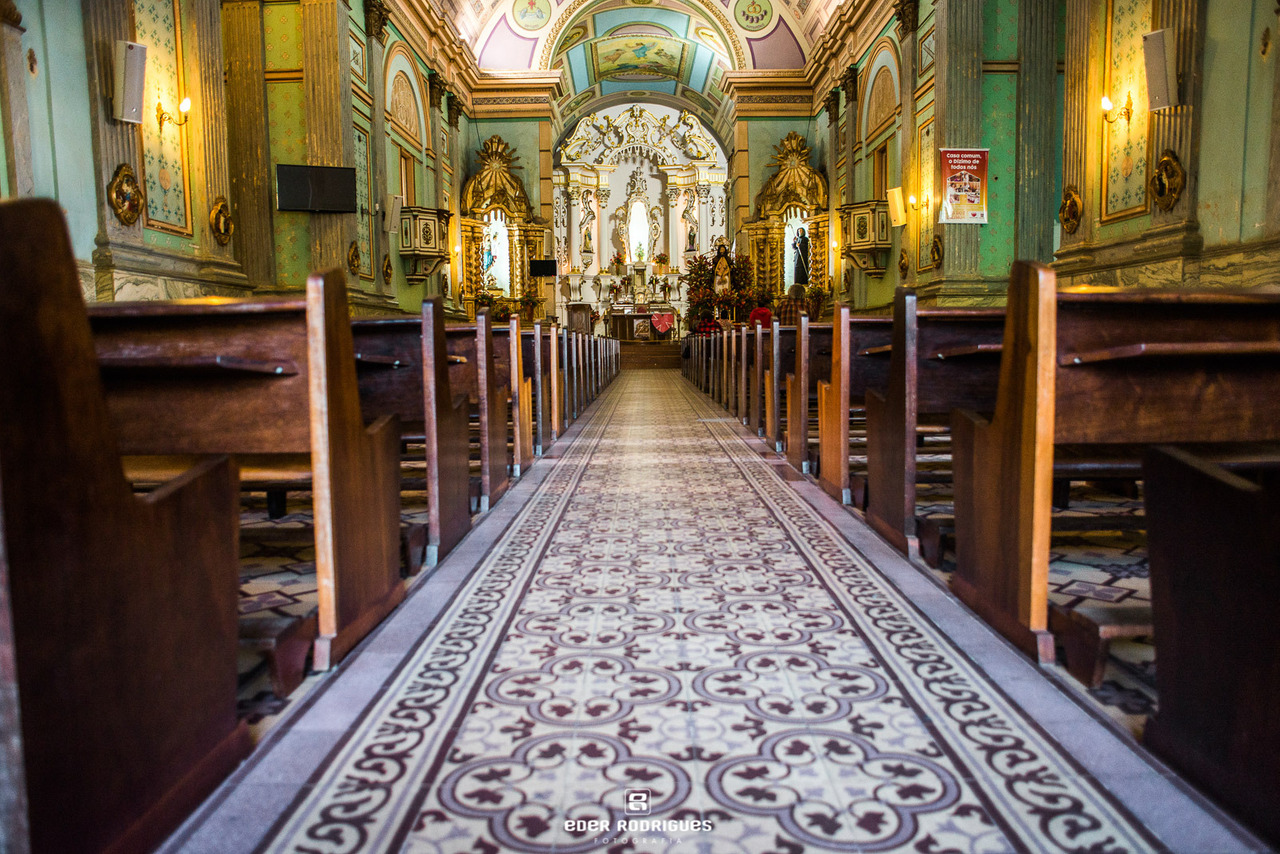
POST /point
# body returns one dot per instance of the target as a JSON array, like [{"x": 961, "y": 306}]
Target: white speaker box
[
  {"x": 130, "y": 74},
  {"x": 391, "y": 213},
  {"x": 897, "y": 210},
  {"x": 1162, "y": 69}
]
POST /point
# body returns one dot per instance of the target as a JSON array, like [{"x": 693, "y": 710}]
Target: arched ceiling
[{"x": 672, "y": 52}]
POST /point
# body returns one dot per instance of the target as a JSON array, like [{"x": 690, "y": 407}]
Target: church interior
[{"x": 744, "y": 426}]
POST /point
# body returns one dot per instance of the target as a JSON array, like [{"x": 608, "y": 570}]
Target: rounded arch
[
  {"x": 885, "y": 59},
  {"x": 402, "y": 93}
]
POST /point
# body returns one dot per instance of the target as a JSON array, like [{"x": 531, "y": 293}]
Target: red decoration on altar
[{"x": 663, "y": 322}]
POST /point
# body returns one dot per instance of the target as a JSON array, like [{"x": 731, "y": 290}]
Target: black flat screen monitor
[
  {"x": 320, "y": 189},
  {"x": 542, "y": 267}
]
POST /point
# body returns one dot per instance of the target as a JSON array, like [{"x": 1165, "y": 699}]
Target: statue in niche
[
  {"x": 800, "y": 243},
  {"x": 722, "y": 270},
  {"x": 692, "y": 245}
]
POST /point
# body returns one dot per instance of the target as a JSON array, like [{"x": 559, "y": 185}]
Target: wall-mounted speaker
[
  {"x": 1162, "y": 69},
  {"x": 897, "y": 210},
  {"x": 391, "y": 213},
  {"x": 130, "y": 74}
]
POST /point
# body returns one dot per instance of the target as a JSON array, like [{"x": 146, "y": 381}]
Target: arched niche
[
  {"x": 404, "y": 99},
  {"x": 795, "y": 196}
]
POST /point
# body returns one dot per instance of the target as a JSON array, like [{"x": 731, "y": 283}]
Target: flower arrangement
[
  {"x": 529, "y": 300},
  {"x": 485, "y": 299},
  {"x": 661, "y": 258},
  {"x": 595, "y": 318},
  {"x": 617, "y": 259}
]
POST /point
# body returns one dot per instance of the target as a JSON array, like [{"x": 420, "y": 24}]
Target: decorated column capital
[
  {"x": 704, "y": 192},
  {"x": 832, "y": 104},
  {"x": 908, "y": 13},
  {"x": 455, "y": 110},
  {"x": 376, "y": 15},
  {"x": 602, "y": 195},
  {"x": 435, "y": 90},
  {"x": 673, "y": 196},
  {"x": 849, "y": 83}
]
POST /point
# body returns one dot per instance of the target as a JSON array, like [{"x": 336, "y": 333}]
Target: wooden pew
[
  {"x": 536, "y": 357},
  {"x": 859, "y": 362},
  {"x": 117, "y": 612},
  {"x": 781, "y": 363},
  {"x": 403, "y": 369},
  {"x": 1214, "y": 556},
  {"x": 942, "y": 359},
  {"x": 1095, "y": 367},
  {"x": 273, "y": 382},
  {"x": 812, "y": 366},
  {"x": 474, "y": 375},
  {"x": 754, "y": 420},
  {"x": 508, "y": 353}
]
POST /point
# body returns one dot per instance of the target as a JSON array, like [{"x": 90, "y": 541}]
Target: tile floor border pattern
[
  {"x": 963, "y": 749},
  {"x": 963, "y": 756},
  {"x": 365, "y": 778},
  {"x": 950, "y": 693}
]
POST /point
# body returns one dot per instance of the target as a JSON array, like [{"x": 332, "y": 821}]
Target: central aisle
[{"x": 668, "y": 632}]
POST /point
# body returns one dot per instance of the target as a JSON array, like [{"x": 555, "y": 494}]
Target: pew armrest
[
  {"x": 1165, "y": 349},
  {"x": 199, "y": 364}
]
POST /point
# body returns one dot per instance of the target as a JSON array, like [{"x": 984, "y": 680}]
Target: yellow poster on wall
[{"x": 964, "y": 185}]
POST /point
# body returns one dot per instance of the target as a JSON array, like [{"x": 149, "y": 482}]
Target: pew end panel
[
  {"x": 117, "y": 612},
  {"x": 356, "y": 477},
  {"x": 445, "y": 438},
  {"x": 1003, "y": 476},
  {"x": 1215, "y": 580}
]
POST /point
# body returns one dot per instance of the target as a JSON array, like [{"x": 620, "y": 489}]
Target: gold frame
[{"x": 1106, "y": 217}]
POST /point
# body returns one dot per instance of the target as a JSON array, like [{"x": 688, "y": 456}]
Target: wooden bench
[
  {"x": 812, "y": 367},
  {"x": 780, "y": 364},
  {"x": 541, "y": 370},
  {"x": 1215, "y": 582},
  {"x": 403, "y": 369},
  {"x": 274, "y": 383},
  {"x": 508, "y": 361},
  {"x": 859, "y": 362},
  {"x": 117, "y": 612},
  {"x": 941, "y": 359},
  {"x": 1095, "y": 367},
  {"x": 475, "y": 375}
]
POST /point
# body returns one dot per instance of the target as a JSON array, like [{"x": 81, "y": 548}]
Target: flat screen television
[
  {"x": 542, "y": 267},
  {"x": 320, "y": 189}
]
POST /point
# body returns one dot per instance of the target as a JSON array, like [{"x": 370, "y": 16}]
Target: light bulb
[
  {"x": 1106, "y": 103},
  {"x": 185, "y": 105}
]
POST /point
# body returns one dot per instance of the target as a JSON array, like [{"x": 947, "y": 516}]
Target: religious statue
[
  {"x": 800, "y": 243},
  {"x": 692, "y": 245},
  {"x": 722, "y": 271}
]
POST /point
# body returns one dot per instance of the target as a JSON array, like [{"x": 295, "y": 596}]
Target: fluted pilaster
[
  {"x": 1178, "y": 128},
  {"x": 327, "y": 84},
  {"x": 1037, "y": 55},
  {"x": 210, "y": 142},
  {"x": 1077, "y": 120},
  {"x": 959, "y": 112},
  {"x": 248, "y": 145}
]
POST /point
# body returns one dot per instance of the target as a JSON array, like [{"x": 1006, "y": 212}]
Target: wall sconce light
[
  {"x": 1125, "y": 112},
  {"x": 162, "y": 116}
]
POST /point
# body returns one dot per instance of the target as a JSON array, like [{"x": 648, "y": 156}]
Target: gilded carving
[
  {"x": 1070, "y": 210},
  {"x": 904, "y": 263},
  {"x": 404, "y": 106},
  {"x": 601, "y": 139},
  {"x": 1167, "y": 181},
  {"x": 495, "y": 186},
  {"x": 935, "y": 250},
  {"x": 125, "y": 195},
  {"x": 353, "y": 257},
  {"x": 386, "y": 269},
  {"x": 220, "y": 222},
  {"x": 794, "y": 183}
]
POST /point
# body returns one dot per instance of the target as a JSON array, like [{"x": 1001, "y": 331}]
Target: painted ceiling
[{"x": 672, "y": 52}]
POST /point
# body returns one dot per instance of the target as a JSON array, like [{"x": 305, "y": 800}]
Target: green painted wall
[
  {"x": 999, "y": 132},
  {"x": 1235, "y": 151},
  {"x": 58, "y": 106},
  {"x": 287, "y": 129}
]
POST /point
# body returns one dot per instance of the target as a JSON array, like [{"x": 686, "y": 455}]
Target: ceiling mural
[{"x": 673, "y": 52}]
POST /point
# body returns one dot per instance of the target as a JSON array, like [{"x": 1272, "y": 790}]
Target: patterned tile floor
[{"x": 658, "y": 642}]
